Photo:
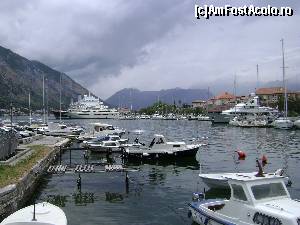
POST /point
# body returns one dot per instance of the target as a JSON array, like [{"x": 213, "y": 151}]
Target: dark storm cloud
[
  {"x": 93, "y": 38},
  {"x": 109, "y": 45}
]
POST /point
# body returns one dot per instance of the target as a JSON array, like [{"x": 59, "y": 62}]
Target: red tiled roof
[
  {"x": 270, "y": 91},
  {"x": 224, "y": 95}
]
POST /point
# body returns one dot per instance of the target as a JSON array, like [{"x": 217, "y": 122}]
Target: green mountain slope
[{"x": 19, "y": 76}]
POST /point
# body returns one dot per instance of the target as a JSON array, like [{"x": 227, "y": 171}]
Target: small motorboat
[
  {"x": 256, "y": 198},
  {"x": 283, "y": 123},
  {"x": 98, "y": 140},
  {"x": 100, "y": 129},
  {"x": 159, "y": 147},
  {"x": 297, "y": 123},
  {"x": 39, "y": 214},
  {"x": 204, "y": 118}
]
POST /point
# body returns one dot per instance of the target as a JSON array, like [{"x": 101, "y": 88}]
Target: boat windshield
[{"x": 269, "y": 190}]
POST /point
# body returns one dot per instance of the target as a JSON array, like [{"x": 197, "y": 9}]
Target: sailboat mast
[
  {"x": 283, "y": 80},
  {"x": 235, "y": 94},
  {"x": 60, "y": 99},
  {"x": 29, "y": 107},
  {"x": 44, "y": 111},
  {"x": 207, "y": 100},
  {"x": 257, "y": 79}
]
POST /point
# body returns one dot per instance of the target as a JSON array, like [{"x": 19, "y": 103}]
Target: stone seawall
[{"x": 14, "y": 196}]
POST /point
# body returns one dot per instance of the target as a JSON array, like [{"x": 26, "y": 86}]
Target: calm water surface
[{"x": 160, "y": 191}]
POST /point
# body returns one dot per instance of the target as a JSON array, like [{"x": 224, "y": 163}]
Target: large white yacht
[
  {"x": 250, "y": 107},
  {"x": 88, "y": 107}
]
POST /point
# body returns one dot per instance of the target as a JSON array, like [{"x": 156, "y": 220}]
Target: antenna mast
[
  {"x": 60, "y": 98},
  {"x": 44, "y": 111}
]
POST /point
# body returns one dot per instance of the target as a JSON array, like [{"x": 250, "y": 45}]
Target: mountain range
[
  {"x": 20, "y": 76},
  {"x": 140, "y": 99}
]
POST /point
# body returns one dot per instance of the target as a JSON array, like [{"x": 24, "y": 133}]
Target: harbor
[
  {"x": 168, "y": 184},
  {"x": 149, "y": 112}
]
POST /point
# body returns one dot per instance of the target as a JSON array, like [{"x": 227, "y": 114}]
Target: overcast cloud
[{"x": 149, "y": 44}]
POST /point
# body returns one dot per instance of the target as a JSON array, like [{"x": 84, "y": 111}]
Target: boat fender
[
  {"x": 264, "y": 159},
  {"x": 241, "y": 154}
]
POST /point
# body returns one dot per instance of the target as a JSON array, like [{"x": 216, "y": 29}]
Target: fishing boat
[
  {"x": 256, "y": 198},
  {"x": 39, "y": 214},
  {"x": 160, "y": 147}
]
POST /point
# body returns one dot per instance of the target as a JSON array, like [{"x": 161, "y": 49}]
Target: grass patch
[{"x": 11, "y": 174}]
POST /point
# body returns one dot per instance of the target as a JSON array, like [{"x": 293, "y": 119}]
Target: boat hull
[
  {"x": 203, "y": 218},
  {"x": 80, "y": 115},
  {"x": 220, "y": 118},
  {"x": 284, "y": 124},
  {"x": 297, "y": 124},
  {"x": 155, "y": 154}
]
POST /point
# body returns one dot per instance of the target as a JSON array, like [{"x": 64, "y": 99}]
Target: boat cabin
[{"x": 157, "y": 140}]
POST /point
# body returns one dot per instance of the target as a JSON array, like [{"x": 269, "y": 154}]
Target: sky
[{"x": 151, "y": 44}]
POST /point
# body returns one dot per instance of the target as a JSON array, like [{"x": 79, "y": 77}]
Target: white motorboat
[
  {"x": 60, "y": 129},
  {"x": 106, "y": 146},
  {"x": 39, "y": 214},
  {"x": 39, "y": 128},
  {"x": 144, "y": 117},
  {"x": 204, "y": 118},
  {"x": 297, "y": 123},
  {"x": 255, "y": 199},
  {"x": 249, "y": 121},
  {"x": 157, "y": 116},
  {"x": 100, "y": 129},
  {"x": 111, "y": 138},
  {"x": 250, "y": 107},
  {"x": 160, "y": 147},
  {"x": 283, "y": 123}
]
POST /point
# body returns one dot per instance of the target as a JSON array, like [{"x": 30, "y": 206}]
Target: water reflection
[
  {"x": 83, "y": 198},
  {"x": 113, "y": 197}
]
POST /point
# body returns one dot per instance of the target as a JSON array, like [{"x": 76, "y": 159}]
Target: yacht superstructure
[{"x": 89, "y": 107}]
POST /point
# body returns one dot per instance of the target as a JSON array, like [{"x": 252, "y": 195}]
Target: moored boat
[
  {"x": 39, "y": 214},
  {"x": 256, "y": 198},
  {"x": 100, "y": 129},
  {"x": 160, "y": 148},
  {"x": 297, "y": 123}
]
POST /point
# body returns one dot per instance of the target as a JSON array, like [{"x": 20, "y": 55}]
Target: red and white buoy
[{"x": 241, "y": 154}]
